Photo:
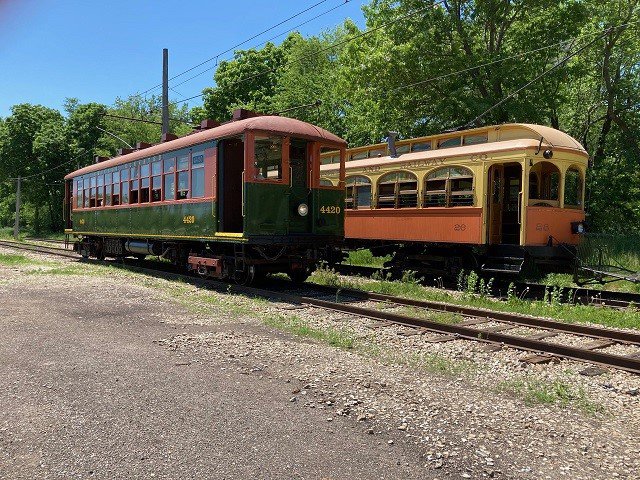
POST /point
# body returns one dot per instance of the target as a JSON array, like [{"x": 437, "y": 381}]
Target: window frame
[
  {"x": 354, "y": 195},
  {"x": 448, "y": 192},
  {"x": 579, "y": 187},
  {"x": 397, "y": 192}
]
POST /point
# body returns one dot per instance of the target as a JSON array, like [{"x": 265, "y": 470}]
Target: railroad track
[
  {"x": 45, "y": 240},
  {"x": 470, "y": 327},
  {"x": 530, "y": 291},
  {"x": 63, "y": 252}
]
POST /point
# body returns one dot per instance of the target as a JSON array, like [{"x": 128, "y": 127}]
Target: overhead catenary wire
[
  {"x": 268, "y": 40},
  {"x": 215, "y": 57},
  {"x": 27, "y": 177},
  {"x": 325, "y": 49},
  {"x": 561, "y": 62},
  {"x": 504, "y": 59}
]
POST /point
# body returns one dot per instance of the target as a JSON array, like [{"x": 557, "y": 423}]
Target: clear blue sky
[{"x": 97, "y": 51}]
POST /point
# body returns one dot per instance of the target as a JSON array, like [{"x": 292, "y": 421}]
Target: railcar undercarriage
[
  {"x": 441, "y": 259},
  {"x": 243, "y": 263}
]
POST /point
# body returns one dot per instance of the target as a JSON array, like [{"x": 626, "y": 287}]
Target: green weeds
[
  {"x": 12, "y": 260},
  {"x": 534, "y": 391},
  {"x": 553, "y": 307},
  {"x": 297, "y": 326},
  {"x": 365, "y": 258}
]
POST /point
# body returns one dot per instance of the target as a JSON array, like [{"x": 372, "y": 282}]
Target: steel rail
[
  {"x": 62, "y": 252},
  {"x": 627, "y": 363},
  {"x": 534, "y": 291},
  {"x": 509, "y": 317}
]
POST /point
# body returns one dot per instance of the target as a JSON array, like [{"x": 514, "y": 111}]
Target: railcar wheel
[
  {"x": 246, "y": 277},
  {"x": 299, "y": 275}
]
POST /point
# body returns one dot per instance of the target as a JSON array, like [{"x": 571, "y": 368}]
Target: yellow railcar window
[
  {"x": 449, "y": 187},
  {"x": 573, "y": 189},
  {"x": 398, "y": 190},
  {"x": 358, "y": 192}
]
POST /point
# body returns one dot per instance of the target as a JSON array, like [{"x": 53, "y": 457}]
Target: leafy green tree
[
  {"x": 247, "y": 81},
  {"x": 309, "y": 75}
]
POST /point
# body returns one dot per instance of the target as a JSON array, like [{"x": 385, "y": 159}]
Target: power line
[
  {"x": 239, "y": 44},
  {"x": 26, "y": 177},
  {"x": 493, "y": 62},
  {"x": 322, "y": 50},
  {"x": 270, "y": 39},
  {"x": 535, "y": 79}
]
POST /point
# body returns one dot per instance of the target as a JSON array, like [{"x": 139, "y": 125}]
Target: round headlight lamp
[
  {"x": 580, "y": 228},
  {"x": 303, "y": 209}
]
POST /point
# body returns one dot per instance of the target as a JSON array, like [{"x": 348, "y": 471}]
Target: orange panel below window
[
  {"x": 451, "y": 225},
  {"x": 545, "y": 221}
]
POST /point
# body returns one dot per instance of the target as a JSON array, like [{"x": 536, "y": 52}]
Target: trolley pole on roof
[
  {"x": 165, "y": 91},
  {"x": 16, "y": 226}
]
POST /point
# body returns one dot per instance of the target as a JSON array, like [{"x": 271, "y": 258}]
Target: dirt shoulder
[{"x": 108, "y": 374}]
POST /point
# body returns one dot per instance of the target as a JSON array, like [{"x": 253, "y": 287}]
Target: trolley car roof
[
  {"x": 532, "y": 136},
  {"x": 267, "y": 124}
]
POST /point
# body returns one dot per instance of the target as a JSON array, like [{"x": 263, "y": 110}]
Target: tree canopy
[{"x": 418, "y": 67}]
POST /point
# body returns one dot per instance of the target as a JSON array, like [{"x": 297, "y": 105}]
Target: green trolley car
[{"x": 229, "y": 201}]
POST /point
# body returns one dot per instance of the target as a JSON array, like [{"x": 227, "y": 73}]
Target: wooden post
[
  {"x": 16, "y": 227},
  {"x": 165, "y": 91}
]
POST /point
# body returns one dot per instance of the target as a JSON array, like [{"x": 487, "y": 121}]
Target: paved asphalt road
[{"x": 85, "y": 393}]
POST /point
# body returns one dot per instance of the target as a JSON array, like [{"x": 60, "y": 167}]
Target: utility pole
[
  {"x": 16, "y": 227},
  {"x": 165, "y": 91}
]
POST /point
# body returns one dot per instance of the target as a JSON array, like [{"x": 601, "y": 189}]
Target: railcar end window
[
  {"x": 398, "y": 190},
  {"x": 197, "y": 175},
  {"x": 548, "y": 182},
  {"x": 268, "y": 158},
  {"x": 358, "y": 193},
  {"x": 573, "y": 188},
  {"x": 449, "y": 187}
]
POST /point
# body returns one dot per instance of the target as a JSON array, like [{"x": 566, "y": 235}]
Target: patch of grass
[
  {"x": 297, "y": 326},
  {"x": 365, "y": 258},
  {"x": 14, "y": 259},
  {"x": 534, "y": 392},
  {"x": 82, "y": 269}
]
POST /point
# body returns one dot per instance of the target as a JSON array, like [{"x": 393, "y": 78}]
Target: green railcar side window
[{"x": 197, "y": 175}]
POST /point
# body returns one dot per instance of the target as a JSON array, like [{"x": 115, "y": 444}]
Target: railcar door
[
  {"x": 511, "y": 222},
  {"x": 496, "y": 179},
  {"x": 68, "y": 204},
  {"x": 299, "y": 192},
  {"x": 230, "y": 185}
]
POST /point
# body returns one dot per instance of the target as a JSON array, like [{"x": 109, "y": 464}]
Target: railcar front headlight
[
  {"x": 303, "y": 209},
  {"x": 578, "y": 227}
]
